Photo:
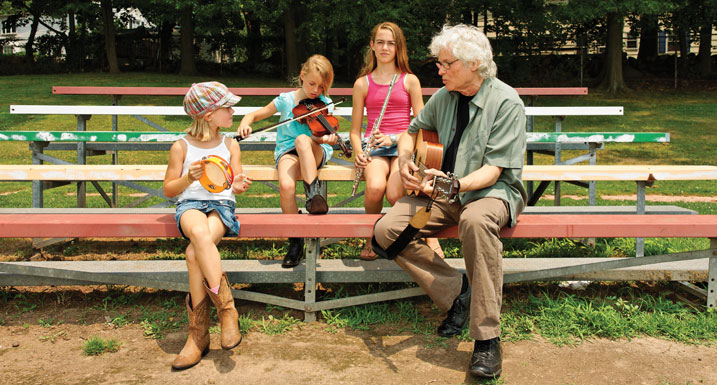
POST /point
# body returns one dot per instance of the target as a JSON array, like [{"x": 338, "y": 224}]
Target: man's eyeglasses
[{"x": 446, "y": 66}]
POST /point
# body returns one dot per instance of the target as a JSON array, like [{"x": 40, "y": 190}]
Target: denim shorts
[
  {"x": 225, "y": 209},
  {"x": 383, "y": 150},
  {"x": 292, "y": 151}
]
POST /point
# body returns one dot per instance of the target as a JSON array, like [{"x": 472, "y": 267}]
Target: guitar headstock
[{"x": 444, "y": 187}]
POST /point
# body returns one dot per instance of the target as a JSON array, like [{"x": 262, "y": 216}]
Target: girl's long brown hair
[{"x": 369, "y": 62}]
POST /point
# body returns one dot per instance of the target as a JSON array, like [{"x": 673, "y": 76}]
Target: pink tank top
[{"x": 398, "y": 110}]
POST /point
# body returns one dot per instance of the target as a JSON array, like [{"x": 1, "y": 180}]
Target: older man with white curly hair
[{"x": 480, "y": 124}]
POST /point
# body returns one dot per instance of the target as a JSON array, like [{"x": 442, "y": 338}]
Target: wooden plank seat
[
  {"x": 543, "y": 210},
  {"x": 543, "y": 142},
  {"x": 270, "y": 137},
  {"x": 113, "y": 225},
  {"x": 346, "y": 271},
  {"x": 643, "y": 175},
  {"x": 635, "y": 173},
  {"x": 117, "y": 224},
  {"x": 273, "y": 91},
  {"x": 86, "y": 110}
]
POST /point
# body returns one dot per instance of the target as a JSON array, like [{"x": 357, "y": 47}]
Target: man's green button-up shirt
[{"x": 495, "y": 135}]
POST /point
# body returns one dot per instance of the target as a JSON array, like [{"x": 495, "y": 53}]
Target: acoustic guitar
[{"x": 427, "y": 154}]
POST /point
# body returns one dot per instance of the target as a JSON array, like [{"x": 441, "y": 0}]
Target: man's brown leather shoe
[
  {"x": 458, "y": 314},
  {"x": 487, "y": 359}
]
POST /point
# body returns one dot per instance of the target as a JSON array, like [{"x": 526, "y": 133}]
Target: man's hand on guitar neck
[{"x": 407, "y": 169}]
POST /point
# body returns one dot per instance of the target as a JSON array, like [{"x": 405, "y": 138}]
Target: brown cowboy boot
[
  {"x": 226, "y": 312},
  {"x": 198, "y": 340}
]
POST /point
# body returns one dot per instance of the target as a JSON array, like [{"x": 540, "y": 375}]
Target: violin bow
[{"x": 269, "y": 127}]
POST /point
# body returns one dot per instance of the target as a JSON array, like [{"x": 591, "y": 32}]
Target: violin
[{"x": 320, "y": 122}]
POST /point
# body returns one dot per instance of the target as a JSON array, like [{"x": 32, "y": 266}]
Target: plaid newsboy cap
[{"x": 206, "y": 97}]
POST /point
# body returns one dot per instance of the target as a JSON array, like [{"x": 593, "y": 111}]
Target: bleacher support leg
[
  {"x": 640, "y": 242},
  {"x": 592, "y": 193},
  {"x": 81, "y": 159},
  {"x": 115, "y": 154},
  {"x": 313, "y": 248},
  {"x": 558, "y": 157},
  {"x": 37, "y": 185},
  {"x": 712, "y": 277}
]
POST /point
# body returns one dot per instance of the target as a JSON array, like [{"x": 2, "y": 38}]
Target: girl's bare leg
[
  {"x": 376, "y": 173},
  {"x": 203, "y": 260},
  {"x": 289, "y": 172},
  {"x": 310, "y": 156}
]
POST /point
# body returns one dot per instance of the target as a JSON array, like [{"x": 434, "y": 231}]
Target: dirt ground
[{"x": 312, "y": 353}]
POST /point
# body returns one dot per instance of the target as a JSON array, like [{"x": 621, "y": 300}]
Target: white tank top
[{"x": 195, "y": 191}]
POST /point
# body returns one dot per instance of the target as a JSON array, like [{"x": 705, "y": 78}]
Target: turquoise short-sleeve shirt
[
  {"x": 495, "y": 135},
  {"x": 287, "y": 133}
]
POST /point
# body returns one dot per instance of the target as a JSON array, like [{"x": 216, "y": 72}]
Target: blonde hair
[
  {"x": 322, "y": 65},
  {"x": 401, "y": 60},
  {"x": 200, "y": 129}
]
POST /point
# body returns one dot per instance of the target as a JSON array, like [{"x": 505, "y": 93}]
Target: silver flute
[{"x": 370, "y": 145}]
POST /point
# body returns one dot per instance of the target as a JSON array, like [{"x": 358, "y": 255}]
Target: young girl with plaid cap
[
  {"x": 205, "y": 217},
  {"x": 298, "y": 152}
]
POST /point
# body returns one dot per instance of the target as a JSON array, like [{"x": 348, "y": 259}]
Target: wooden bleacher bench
[
  {"x": 98, "y": 142},
  {"x": 168, "y": 275},
  {"x": 83, "y": 110},
  {"x": 270, "y": 137},
  {"x": 634, "y": 173},
  {"x": 83, "y": 114},
  {"x": 274, "y": 91},
  {"x": 643, "y": 175}
]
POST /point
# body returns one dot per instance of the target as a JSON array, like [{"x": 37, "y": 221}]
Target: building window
[
  {"x": 632, "y": 40},
  {"x": 9, "y": 25}
]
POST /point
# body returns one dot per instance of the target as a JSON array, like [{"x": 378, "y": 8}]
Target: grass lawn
[{"x": 689, "y": 117}]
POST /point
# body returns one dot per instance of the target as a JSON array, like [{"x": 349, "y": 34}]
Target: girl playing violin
[
  {"x": 298, "y": 151},
  {"x": 205, "y": 217},
  {"x": 387, "y": 56}
]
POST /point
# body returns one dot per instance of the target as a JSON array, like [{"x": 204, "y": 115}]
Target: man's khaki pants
[{"x": 479, "y": 223}]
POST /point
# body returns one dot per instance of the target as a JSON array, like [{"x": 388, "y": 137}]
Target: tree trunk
[
  {"x": 165, "y": 44},
  {"x": 188, "y": 65},
  {"x": 109, "y": 29},
  {"x": 648, "y": 39},
  {"x": 81, "y": 38},
  {"x": 72, "y": 48},
  {"x": 292, "y": 59},
  {"x": 612, "y": 79},
  {"x": 704, "y": 59},
  {"x": 682, "y": 37},
  {"x": 30, "y": 45},
  {"x": 253, "y": 32}
]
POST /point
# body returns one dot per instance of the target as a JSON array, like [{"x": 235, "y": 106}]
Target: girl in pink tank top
[{"x": 387, "y": 56}]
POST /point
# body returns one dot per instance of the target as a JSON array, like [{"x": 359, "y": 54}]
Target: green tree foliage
[{"x": 276, "y": 36}]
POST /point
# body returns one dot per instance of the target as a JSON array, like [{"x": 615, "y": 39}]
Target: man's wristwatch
[{"x": 455, "y": 189}]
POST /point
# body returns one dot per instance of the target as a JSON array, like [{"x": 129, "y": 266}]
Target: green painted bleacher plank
[{"x": 155, "y": 136}]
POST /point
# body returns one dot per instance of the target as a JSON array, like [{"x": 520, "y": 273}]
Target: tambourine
[{"x": 218, "y": 175}]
